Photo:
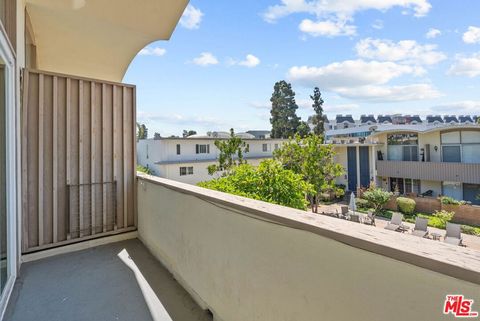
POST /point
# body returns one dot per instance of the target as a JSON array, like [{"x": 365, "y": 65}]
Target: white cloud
[
  {"x": 458, "y": 107},
  {"x": 342, "y": 8},
  {"x": 472, "y": 35},
  {"x": 179, "y": 119},
  {"x": 205, "y": 59},
  {"x": 350, "y": 73},
  {"x": 362, "y": 80},
  {"x": 327, "y": 28},
  {"x": 433, "y": 33},
  {"x": 384, "y": 94},
  {"x": 407, "y": 51},
  {"x": 466, "y": 66},
  {"x": 191, "y": 18},
  {"x": 260, "y": 105},
  {"x": 377, "y": 24},
  {"x": 157, "y": 51},
  {"x": 250, "y": 61},
  {"x": 332, "y": 16}
]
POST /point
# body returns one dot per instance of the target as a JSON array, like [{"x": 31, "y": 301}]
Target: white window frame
[{"x": 13, "y": 174}]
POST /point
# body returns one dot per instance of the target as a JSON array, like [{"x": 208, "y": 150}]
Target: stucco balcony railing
[
  {"x": 241, "y": 259},
  {"x": 432, "y": 171}
]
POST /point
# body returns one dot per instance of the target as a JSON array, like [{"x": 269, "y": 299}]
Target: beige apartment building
[
  {"x": 429, "y": 159},
  {"x": 84, "y": 237}
]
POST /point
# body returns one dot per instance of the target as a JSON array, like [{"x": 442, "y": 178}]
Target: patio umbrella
[{"x": 352, "y": 205}]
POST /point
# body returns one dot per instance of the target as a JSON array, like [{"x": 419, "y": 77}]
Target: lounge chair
[
  {"x": 454, "y": 234},
  {"x": 355, "y": 218},
  {"x": 370, "y": 219},
  {"x": 427, "y": 193},
  {"x": 395, "y": 223},
  {"x": 420, "y": 228}
]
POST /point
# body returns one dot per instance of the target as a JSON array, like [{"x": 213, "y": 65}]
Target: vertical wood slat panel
[
  {"x": 25, "y": 216},
  {"x": 92, "y": 157},
  {"x": 76, "y": 131},
  {"x": 81, "y": 155},
  {"x": 68, "y": 156},
  {"x": 40, "y": 159},
  {"x": 55, "y": 158}
]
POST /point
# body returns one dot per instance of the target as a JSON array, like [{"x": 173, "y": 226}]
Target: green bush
[
  {"x": 406, "y": 205},
  {"x": 377, "y": 198},
  {"x": 269, "y": 182},
  {"x": 471, "y": 230},
  {"x": 362, "y": 203},
  {"x": 144, "y": 169},
  {"x": 447, "y": 200},
  {"x": 443, "y": 217}
]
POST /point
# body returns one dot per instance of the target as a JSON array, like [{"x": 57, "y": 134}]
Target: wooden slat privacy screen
[{"x": 78, "y": 159}]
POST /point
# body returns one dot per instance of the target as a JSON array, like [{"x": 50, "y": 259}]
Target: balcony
[
  {"x": 243, "y": 259},
  {"x": 432, "y": 171}
]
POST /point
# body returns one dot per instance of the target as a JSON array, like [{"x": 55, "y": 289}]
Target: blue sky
[{"x": 367, "y": 56}]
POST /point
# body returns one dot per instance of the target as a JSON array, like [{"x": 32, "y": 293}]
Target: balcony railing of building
[
  {"x": 434, "y": 171},
  {"x": 249, "y": 260}
]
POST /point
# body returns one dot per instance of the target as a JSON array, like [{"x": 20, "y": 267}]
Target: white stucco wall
[{"x": 243, "y": 267}]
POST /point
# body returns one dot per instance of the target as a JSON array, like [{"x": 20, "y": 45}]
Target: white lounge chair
[
  {"x": 454, "y": 234},
  {"x": 395, "y": 222},
  {"x": 420, "y": 228}
]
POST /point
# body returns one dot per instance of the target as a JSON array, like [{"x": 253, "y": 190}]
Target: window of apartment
[
  {"x": 202, "y": 148},
  {"x": 276, "y": 147},
  {"x": 402, "y": 147},
  {"x": 147, "y": 151},
  {"x": 266, "y": 147},
  {"x": 186, "y": 170},
  {"x": 404, "y": 185},
  {"x": 461, "y": 146},
  {"x": 178, "y": 149}
]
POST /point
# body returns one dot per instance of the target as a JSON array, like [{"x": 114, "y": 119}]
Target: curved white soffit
[
  {"x": 427, "y": 130},
  {"x": 98, "y": 38}
]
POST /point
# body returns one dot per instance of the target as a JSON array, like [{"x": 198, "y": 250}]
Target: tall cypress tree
[
  {"x": 284, "y": 118},
  {"x": 318, "y": 119}
]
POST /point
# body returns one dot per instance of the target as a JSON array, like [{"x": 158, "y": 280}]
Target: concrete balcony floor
[{"x": 96, "y": 284}]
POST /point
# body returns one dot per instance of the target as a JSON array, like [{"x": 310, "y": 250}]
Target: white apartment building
[
  {"x": 431, "y": 158},
  {"x": 186, "y": 159}
]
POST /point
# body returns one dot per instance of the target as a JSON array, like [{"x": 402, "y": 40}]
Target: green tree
[
  {"x": 142, "y": 131},
  {"x": 377, "y": 197},
  {"x": 144, "y": 169},
  {"x": 157, "y": 136},
  {"x": 284, "y": 119},
  {"x": 318, "y": 119},
  {"x": 269, "y": 182},
  {"x": 187, "y": 133},
  {"x": 314, "y": 161},
  {"x": 303, "y": 129},
  {"x": 231, "y": 154}
]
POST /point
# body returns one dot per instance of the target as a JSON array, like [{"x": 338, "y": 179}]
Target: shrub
[
  {"x": 447, "y": 200},
  {"x": 362, "y": 203},
  {"x": 144, "y": 169},
  {"x": 406, "y": 205},
  {"x": 471, "y": 230},
  {"x": 444, "y": 217},
  {"x": 269, "y": 182},
  {"x": 377, "y": 198}
]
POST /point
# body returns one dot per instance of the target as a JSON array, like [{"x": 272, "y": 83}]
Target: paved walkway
[{"x": 470, "y": 241}]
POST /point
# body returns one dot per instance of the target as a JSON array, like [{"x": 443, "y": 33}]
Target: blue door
[
  {"x": 364, "y": 166},
  {"x": 352, "y": 168}
]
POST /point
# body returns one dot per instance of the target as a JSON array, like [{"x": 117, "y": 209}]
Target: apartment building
[
  {"x": 439, "y": 156},
  {"x": 186, "y": 159}
]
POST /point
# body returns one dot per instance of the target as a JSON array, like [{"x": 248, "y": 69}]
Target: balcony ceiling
[{"x": 98, "y": 38}]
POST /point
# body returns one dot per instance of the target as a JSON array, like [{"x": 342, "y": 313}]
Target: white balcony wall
[{"x": 249, "y": 260}]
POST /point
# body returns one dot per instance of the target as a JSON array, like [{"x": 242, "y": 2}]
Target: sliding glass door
[{"x": 3, "y": 184}]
